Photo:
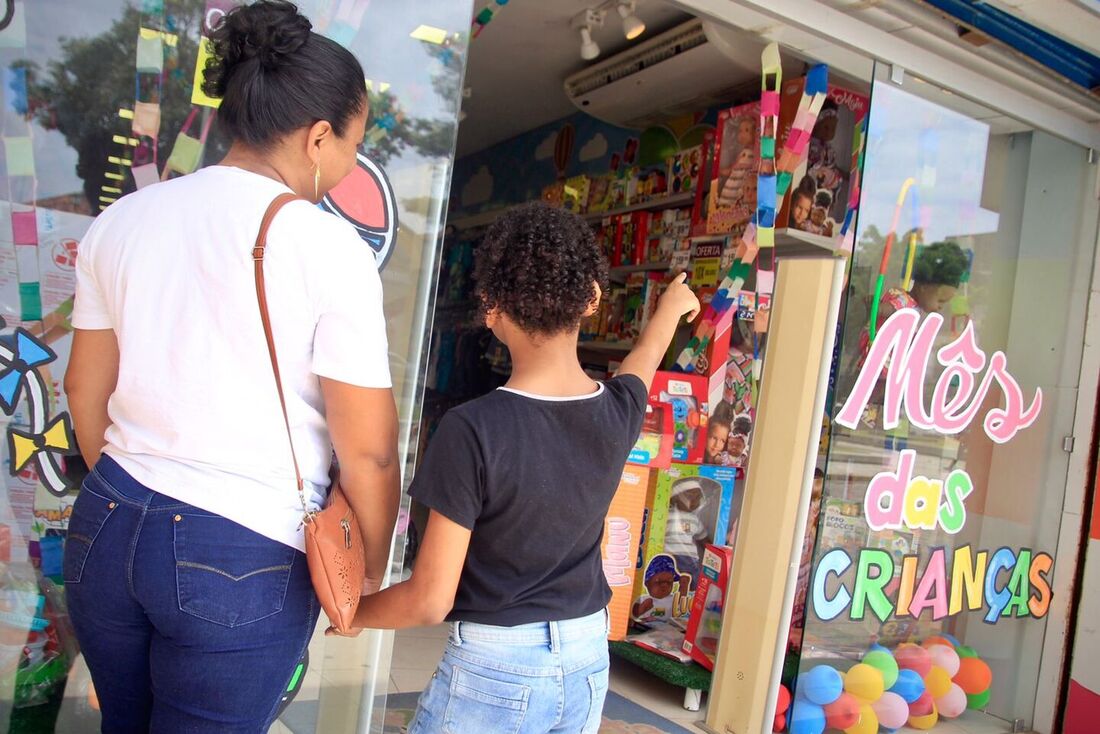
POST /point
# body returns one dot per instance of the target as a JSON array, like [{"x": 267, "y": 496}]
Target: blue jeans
[
  {"x": 188, "y": 621},
  {"x": 531, "y": 679}
]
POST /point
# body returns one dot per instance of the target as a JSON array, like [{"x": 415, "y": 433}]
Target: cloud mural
[
  {"x": 479, "y": 189},
  {"x": 594, "y": 149}
]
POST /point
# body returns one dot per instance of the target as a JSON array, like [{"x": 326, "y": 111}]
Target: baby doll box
[
  {"x": 826, "y": 173},
  {"x": 621, "y": 539},
  {"x": 705, "y": 623},
  {"x": 670, "y": 597},
  {"x": 732, "y": 197}
]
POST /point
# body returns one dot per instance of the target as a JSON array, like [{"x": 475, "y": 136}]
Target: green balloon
[
  {"x": 884, "y": 663},
  {"x": 655, "y": 145},
  {"x": 966, "y": 652},
  {"x": 978, "y": 701}
]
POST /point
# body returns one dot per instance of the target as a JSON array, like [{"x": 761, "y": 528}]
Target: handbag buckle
[{"x": 257, "y": 253}]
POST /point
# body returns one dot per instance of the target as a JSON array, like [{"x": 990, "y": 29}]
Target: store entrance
[{"x": 655, "y": 141}]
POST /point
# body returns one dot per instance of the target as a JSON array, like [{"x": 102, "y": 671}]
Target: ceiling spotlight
[
  {"x": 589, "y": 48},
  {"x": 632, "y": 24}
]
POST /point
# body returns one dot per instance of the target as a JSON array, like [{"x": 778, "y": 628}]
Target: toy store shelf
[
  {"x": 620, "y": 272},
  {"x": 795, "y": 242},
  {"x": 666, "y": 202},
  {"x": 615, "y": 347}
]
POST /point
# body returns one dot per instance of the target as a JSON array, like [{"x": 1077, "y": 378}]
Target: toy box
[
  {"x": 683, "y": 170},
  {"x": 818, "y": 199},
  {"x": 654, "y": 445},
  {"x": 621, "y": 538},
  {"x": 705, "y": 623},
  {"x": 687, "y": 506},
  {"x": 575, "y": 194},
  {"x": 732, "y": 198},
  {"x": 687, "y": 394}
]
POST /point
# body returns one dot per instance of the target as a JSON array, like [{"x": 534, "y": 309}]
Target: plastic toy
[
  {"x": 686, "y": 397},
  {"x": 654, "y": 445}
]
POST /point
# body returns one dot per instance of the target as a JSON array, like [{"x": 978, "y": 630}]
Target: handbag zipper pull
[{"x": 347, "y": 532}]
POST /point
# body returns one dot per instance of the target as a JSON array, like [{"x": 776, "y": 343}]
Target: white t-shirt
[{"x": 196, "y": 414}]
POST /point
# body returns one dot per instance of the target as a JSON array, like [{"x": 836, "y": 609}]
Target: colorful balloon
[
  {"x": 892, "y": 710},
  {"x": 945, "y": 657},
  {"x": 979, "y": 701},
  {"x": 780, "y": 723},
  {"x": 966, "y": 652},
  {"x": 807, "y": 718},
  {"x": 821, "y": 685},
  {"x": 913, "y": 657},
  {"x": 910, "y": 686},
  {"x": 938, "y": 640},
  {"x": 867, "y": 722},
  {"x": 953, "y": 704},
  {"x": 937, "y": 682},
  {"x": 926, "y": 722},
  {"x": 923, "y": 705},
  {"x": 884, "y": 663},
  {"x": 843, "y": 713},
  {"x": 783, "y": 702},
  {"x": 864, "y": 682},
  {"x": 974, "y": 676}
]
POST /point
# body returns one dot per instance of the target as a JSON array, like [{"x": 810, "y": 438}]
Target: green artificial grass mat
[{"x": 690, "y": 675}]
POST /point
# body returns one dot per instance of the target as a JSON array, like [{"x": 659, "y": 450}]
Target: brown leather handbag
[{"x": 334, "y": 543}]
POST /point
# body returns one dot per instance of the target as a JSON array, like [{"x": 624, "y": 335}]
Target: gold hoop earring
[{"x": 317, "y": 181}]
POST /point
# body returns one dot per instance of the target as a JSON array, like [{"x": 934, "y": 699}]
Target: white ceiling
[{"x": 521, "y": 58}]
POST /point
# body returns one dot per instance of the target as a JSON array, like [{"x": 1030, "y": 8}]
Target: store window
[
  {"x": 99, "y": 99},
  {"x": 955, "y": 388}
]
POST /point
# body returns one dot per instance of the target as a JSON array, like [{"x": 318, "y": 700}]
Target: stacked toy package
[
  {"x": 733, "y": 175},
  {"x": 622, "y": 536},
  {"x": 689, "y": 506}
]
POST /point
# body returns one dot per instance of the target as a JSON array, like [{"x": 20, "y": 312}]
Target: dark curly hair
[
  {"x": 941, "y": 263},
  {"x": 537, "y": 264},
  {"x": 275, "y": 75}
]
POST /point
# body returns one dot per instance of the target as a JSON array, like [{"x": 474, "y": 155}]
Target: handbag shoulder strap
[{"x": 261, "y": 298}]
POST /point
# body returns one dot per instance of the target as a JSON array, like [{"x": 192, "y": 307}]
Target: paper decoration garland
[
  {"x": 773, "y": 183},
  {"x": 48, "y": 438},
  {"x": 484, "y": 16},
  {"x": 21, "y": 174},
  {"x": 847, "y": 229}
]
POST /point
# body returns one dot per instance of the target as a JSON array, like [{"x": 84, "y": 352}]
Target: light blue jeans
[{"x": 531, "y": 679}]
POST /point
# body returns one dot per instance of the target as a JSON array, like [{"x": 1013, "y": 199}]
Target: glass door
[
  {"x": 956, "y": 385},
  {"x": 99, "y": 99}
]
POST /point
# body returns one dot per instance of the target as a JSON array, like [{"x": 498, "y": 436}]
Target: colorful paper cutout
[
  {"x": 150, "y": 51},
  {"x": 145, "y": 175},
  {"x": 199, "y": 97},
  {"x": 24, "y": 227},
  {"x": 19, "y": 156},
  {"x": 146, "y": 119}
]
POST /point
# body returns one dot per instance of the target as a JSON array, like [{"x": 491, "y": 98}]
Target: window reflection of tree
[{"x": 80, "y": 93}]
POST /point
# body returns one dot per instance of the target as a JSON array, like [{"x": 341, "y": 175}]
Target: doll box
[
  {"x": 674, "y": 539},
  {"x": 705, "y": 624},
  {"x": 732, "y": 198},
  {"x": 621, "y": 539}
]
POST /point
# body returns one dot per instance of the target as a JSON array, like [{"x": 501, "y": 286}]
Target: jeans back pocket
[
  {"x": 91, "y": 511},
  {"x": 478, "y": 705},
  {"x": 228, "y": 574}
]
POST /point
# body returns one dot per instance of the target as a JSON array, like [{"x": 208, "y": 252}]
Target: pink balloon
[
  {"x": 953, "y": 704},
  {"x": 915, "y": 658},
  {"x": 946, "y": 658},
  {"x": 892, "y": 711}
]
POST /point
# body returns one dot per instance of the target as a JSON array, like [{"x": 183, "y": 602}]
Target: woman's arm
[
  {"x": 89, "y": 383},
  {"x": 363, "y": 424},
  {"x": 429, "y": 594}
]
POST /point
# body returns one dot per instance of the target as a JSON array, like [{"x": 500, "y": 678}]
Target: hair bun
[{"x": 267, "y": 31}]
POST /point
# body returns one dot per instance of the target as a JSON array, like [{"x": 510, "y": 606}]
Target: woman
[{"x": 186, "y": 579}]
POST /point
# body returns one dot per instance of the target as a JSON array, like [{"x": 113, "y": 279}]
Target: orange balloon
[
  {"x": 937, "y": 641},
  {"x": 974, "y": 676}
]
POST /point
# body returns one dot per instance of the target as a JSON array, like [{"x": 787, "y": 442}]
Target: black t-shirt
[{"x": 532, "y": 478}]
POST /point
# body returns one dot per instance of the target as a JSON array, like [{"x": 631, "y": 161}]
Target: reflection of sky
[{"x": 944, "y": 151}]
